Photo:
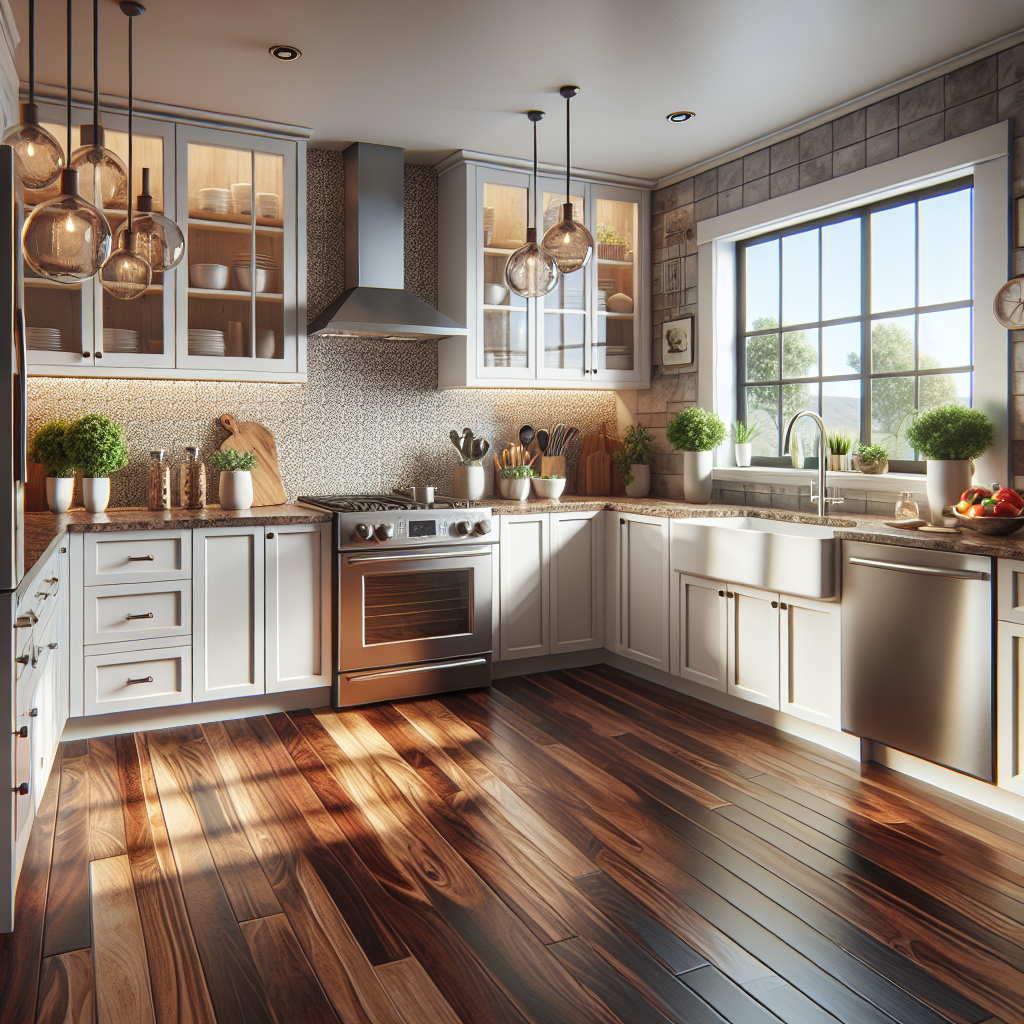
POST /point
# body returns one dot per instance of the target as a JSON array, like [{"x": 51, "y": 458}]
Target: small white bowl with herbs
[{"x": 235, "y": 480}]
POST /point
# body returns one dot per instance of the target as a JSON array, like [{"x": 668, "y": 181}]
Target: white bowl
[
  {"x": 265, "y": 344},
  {"x": 494, "y": 294},
  {"x": 550, "y": 489},
  {"x": 242, "y": 279},
  {"x": 208, "y": 275}
]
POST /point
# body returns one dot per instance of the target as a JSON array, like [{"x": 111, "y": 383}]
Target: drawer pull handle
[
  {"x": 140, "y": 558},
  {"x": 22, "y": 790},
  {"x": 33, "y": 712},
  {"x": 141, "y": 615},
  {"x": 23, "y": 659},
  {"x": 148, "y": 679},
  {"x": 24, "y": 621},
  {"x": 23, "y": 732},
  {"x": 53, "y": 646}
]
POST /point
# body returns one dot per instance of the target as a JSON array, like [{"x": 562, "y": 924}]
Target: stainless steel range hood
[{"x": 375, "y": 303}]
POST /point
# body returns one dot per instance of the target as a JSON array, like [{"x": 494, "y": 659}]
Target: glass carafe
[
  {"x": 159, "y": 481},
  {"x": 192, "y": 479},
  {"x": 906, "y": 507}
]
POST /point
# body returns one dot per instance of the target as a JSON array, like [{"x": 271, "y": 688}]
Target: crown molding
[{"x": 515, "y": 163}]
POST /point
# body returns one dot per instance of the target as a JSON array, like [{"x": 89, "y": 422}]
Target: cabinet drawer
[
  {"x": 138, "y": 679},
  {"x": 137, "y": 611},
  {"x": 144, "y": 556}
]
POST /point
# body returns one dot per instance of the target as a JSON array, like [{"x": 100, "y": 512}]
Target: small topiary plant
[
  {"x": 695, "y": 430},
  {"x": 50, "y": 447},
  {"x": 231, "y": 460},
  {"x": 952, "y": 432},
  {"x": 97, "y": 446}
]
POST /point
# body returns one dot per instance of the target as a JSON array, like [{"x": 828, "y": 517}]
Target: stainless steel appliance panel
[
  {"x": 917, "y": 653},
  {"x": 413, "y": 680}
]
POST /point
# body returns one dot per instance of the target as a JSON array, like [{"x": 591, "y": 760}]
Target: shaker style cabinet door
[
  {"x": 1010, "y": 706},
  {"x": 810, "y": 660},
  {"x": 577, "y": 581},
  {"x": 753, "y": 645},
  {"x": 700, "y": 630},
  {"x": 642, "y": 589},
  {"x": 228, "y": 612},
  {"x": 525, "y": 591}
]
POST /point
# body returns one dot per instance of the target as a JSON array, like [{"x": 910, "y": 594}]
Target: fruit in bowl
[{"x": 996, "y": 510}]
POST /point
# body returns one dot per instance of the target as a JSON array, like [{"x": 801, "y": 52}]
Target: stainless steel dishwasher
[{"x": 917, "y": 653}]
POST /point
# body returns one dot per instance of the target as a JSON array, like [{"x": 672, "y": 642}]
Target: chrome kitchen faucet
[{"x": 823, "y": 499}]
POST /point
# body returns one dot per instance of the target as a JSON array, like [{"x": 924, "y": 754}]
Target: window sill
[{"x": 886, "y": 483}]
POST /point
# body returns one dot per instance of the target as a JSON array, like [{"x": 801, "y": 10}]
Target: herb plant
[
  {"x": 872, "y": 454},
  {"x": 97, "y": 446},
  {"x": 637, "y": 450},
  {"x": 517, "y": 472},
  {"x": 951, "y": 432},
  {"x": 696, "y": 430},
  {"x": 231, "y": 460},
  {"x": 50, "y": 447},
  {"x": 839, "y": 443},
  {"x": 609, "y": 236},
  {"x": 743, "y": 433}
]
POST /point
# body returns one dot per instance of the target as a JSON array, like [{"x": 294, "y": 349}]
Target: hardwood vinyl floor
[{"x": 577, "y": 847}]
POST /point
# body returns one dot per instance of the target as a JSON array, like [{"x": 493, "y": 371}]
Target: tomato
[
  {"x": 977, "y": 511},
  {"x": 1006, "y": 508},
  {"x": 1010, "y": 495},
  {"x": 975, "y": 494}
]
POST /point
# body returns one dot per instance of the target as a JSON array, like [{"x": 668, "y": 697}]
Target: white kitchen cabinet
[
  {"x": 1010, "y": 675},
  {"x": 699, "y": 633},
  {"x": 298, "y": 606},
  {"x": 577, "y": 581},
  {"x": 753, "y": 642},
  {"x": 525, "y": 585},
  {"x": 641, "y": 590},
  {"x": 228, "y": 612},
  {"x": 810, "y": 660}
]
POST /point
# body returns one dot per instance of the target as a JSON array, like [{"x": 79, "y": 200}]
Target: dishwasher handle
[{"x": 923, "y": 570}]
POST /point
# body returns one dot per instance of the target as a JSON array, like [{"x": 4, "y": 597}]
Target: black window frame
[{"x": 865, "y": 318}]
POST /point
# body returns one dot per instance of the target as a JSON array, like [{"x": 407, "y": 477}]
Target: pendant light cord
[
  {"x": 69, "y": 83},
  {"x": 96, "y": 62},
  {"x": 31, "y": 51},
  {"x": 567, "y": 138},
  {"x": 131, "y": 114},
  {"x": 528, "y": 211}
]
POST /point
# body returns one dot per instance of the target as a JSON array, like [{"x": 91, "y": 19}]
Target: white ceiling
[{"x": 439, "y": 75}]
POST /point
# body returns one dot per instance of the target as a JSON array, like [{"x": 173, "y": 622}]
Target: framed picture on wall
[{"x": 677, "y": 342}]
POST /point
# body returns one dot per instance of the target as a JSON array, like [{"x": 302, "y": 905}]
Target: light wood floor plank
[
  {"x": 415, "y": 995},
  {"x": 106, "y": 815}
]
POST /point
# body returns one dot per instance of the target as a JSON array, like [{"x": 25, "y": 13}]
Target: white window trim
[{"x": 983, "y": 154}]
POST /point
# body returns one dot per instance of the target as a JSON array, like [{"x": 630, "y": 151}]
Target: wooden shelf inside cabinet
[
  {"x": 227, "y": 293},
  {"x": 263, "y": 226},
  {"x": 491, "y": 251},
  {"x": 614, "y": 316},
  {"x": 615, "y": 263}
]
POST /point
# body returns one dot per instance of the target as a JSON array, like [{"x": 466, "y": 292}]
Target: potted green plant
[
  {"x": 634, "y": 460},
  {"x": 610, "y": 244},
  {"x": 235, "y": 477},
  {"x": 696, "y": 433},
  {"x": 97, "y": 447},
  {"x": 469, "y": 482},
  {"x": 50, "y": 447},
  {"x": 743, "y": 437},
  {"x": 871, "y": 458},
  {"x": 950, "y": 437},
  {"x": 515, "y": 482},
  {"x": 839, "y": 445}
]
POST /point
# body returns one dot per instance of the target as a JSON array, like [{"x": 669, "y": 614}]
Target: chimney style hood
[{"x": 375, "y": 303}]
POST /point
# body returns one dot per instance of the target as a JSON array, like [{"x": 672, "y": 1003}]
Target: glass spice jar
[
  {"x": 192, "y": 481},
  {"x": 159, "y": 481}
]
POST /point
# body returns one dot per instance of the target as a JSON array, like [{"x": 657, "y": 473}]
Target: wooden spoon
[
  {"x": 542, "y": 440},
  {"x": 526, "y": 435}
]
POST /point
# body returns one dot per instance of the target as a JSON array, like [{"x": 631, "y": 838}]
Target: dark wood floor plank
[
  {"x": 786, "y": 1002},
  {"x": 67, "y": 993},
  {"x": 415, "y": 994},
  {"x": 731, "y": 1001},
  {"x": 106, "y": 815},
  {"x": 176, "y": 974},
  {"x": 67, "y": 901},
  {"x": 292, "y": 987}
]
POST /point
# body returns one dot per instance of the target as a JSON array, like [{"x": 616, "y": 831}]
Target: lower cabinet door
[
  {"x": 810, "y": 660},
  {"x": 753, "y": 635},
  {"x": 525, "y": 595},
  {"x": 700, "y": 630},
  {"x": 577, "y": 584},
  {"x": 134, "y": 680},
  {"x": 1010, "y": 706},
  {"x": 228, "y": 612},
  {"x": 643, "y": 590}
]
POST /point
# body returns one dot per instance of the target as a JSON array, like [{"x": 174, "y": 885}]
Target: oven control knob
[
  {"x": 463, "y": 528},
  {"x": 364, "y": 532},
  {"x": 384, "y": 531},
  {"x": 482, "y": 528}
]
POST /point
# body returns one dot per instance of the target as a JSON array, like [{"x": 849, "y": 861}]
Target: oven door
[{"x": 404, "y": 607}]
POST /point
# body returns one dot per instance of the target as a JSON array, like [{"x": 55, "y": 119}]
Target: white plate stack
[
  {"x": 268, "y": 205},
  {"x": 214, "y": 200},
  {"x": 618, "y": 357},
  {"x": 42, "y": 339},
  {"x": 205, "y": 343},
  {"x": 266, "y": 266},
  {"x": 116, "y": 339}
]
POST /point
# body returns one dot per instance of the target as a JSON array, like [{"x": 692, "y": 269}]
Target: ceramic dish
[
  {"x": 991, "y": 526},
  {"x": 208, "y": 275},
  {"x": 550, "y": 489}
]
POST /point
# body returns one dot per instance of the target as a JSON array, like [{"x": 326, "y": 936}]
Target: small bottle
[
  {"x": 906, "y": 507},
  {"x": 159, "y": 481},
  {"x": 192, "y": 481}
]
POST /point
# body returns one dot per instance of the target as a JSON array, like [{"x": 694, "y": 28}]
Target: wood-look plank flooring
[{"x": 573, "y": 847}]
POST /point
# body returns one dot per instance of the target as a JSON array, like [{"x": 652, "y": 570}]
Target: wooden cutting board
[
  {"x": 266, "y": 477},
  {"x": 598, "y": 475}
]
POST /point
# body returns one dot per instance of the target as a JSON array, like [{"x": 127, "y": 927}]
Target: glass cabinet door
[{"x": 617, "y": 234}]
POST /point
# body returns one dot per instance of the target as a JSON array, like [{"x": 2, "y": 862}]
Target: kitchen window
[{"x": 863, "y": 317}]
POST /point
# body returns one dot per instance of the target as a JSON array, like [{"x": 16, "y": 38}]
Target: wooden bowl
[{"x": 991, "y": 526}]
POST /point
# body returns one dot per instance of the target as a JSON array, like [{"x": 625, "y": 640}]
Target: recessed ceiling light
[
  {"x": 285, "y": 52},
  {"x": 680, "y": 115}
]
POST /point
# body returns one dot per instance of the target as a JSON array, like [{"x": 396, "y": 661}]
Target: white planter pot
[
  {"x": 641, "y": 485},
  {"x": 945, "y": 481},
  {"x": 550, "y": 490},
  {"x": 236, "y": 489},
  {"x": 697, "y": 476},
  {"x": 469, "y": 483},
  {"x": 95, "y": 493},
  {"x": 518, "y": 488},
  {"x": 60, "y": 491},
  {"x": 743, "y": 453}
]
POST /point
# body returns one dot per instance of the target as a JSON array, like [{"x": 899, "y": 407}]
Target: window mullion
[{"x": 865, "y": 329}]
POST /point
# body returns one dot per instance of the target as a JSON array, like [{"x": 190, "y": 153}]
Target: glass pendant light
[
  {"x": 38, "y": 159},
  {"x": 127, "y": 274},
  {"x": 529, "y": 271},
  {"x": 157, "y": 238},
  {"x": 568, "y": 241},
  {"x": 66, "y": 239},
  {"x": 101, "y": 172}
]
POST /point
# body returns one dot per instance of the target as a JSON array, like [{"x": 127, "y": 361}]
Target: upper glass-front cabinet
[{"x": 592, "y": 330}]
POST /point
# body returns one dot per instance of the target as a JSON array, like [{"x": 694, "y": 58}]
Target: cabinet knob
[
  {"x": 730, "y": 594},
  {"x": 63, "y": 551},
  {"x": 775, "y": 604},
  {"x": 99, "y": 355},
  {"x": 22, "y": 732},
  {"x": 721, "y": 593},
  {"x": 53, "y": 646},
  {"x": 783, "y": 606},
  {"x": 22, "y": 790},
  {"x": 26, "y": 620},
  {"x": 270, "y": 536},
  {"x": 22, "y": 659},
  {"x": 85, "y": 355},
  {"x": 33, "y": 712}
]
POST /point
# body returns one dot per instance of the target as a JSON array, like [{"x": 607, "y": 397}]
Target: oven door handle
[
  {"x": 410, "y": 669},
  {"x": 358, "y": 559}
]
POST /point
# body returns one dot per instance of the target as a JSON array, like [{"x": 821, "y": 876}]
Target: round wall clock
[{"x": 1008, "y": 305}]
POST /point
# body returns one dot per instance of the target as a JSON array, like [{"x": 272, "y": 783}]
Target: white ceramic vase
[
  {"x": 697, "y": 476},
  {"x": 60, "y": 491},
  {"x": 95, "y": 493},
  {"x": 236, "y": 489},
  {"x": 743, "y": 453},
  {"x": 945, "y": 481},
  {"x": 641, "y": 484},
  {"x": 469, "y": 483},
  {"x": 519, "y": 488}
]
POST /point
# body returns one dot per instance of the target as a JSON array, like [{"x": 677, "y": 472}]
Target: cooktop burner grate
[{"x": 375, "y": 502}]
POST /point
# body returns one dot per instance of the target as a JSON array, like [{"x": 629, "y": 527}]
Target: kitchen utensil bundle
[
  {"x": 596, "y": 475},
  {"x": 471, "y": 449},
  {"x": 515, "y": 455},
  {"x": 556, "y": 443},
  {"x": 559, "y": 439}
]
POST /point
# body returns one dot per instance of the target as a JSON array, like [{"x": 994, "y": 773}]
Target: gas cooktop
[{"x": 375, "y": 502}]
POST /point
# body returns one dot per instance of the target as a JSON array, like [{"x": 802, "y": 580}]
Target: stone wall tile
[
  {"x": 673, "y": 278},
  {"x": 785, "y": 181},
  {"x": 1018, "y": 384},
  {"x": 731, "y": 496},
  {"x": 691, "y": 295},
  {"x": 678, "y": 222},
  {"x": 730, "y": 175},
  {"x": 1017, "y": 167},
  {"x": 689, "y": 274},
  {"x": 1011, "y": 104},
  {"x": 921, "y": 134},
  {"x": 851, "y": 158},
  {"x": 882, "y": 116},
  {"x": 921, "y": 101},
  {"x": 658, "y": 231},
  {"x": 706, "y": 208},
  {"x": 679, "y": 194},
  {"x": 755, "y": 191},
  {"x": 1017, "y": 262},
  {"x": 1018, "y": 355},
  {"x": 1011, "y": 65},
  {"x": 664, "y": 486},
  {"x": 883, "y": 147},
  {"x": 817, "y": 142},
  {"x": 673, "y": 251},
  {"x": 785, "y": 154},
  {"x": 755, "y": 165},
  {"x": 970, "y": 116},
  {"x": 849, "y": 129},
  {"x": 705, "y": 184},
  {"x": 969, "y": 82},
  {"x": 657, "y": 278},
  {"x": 813, "y": 171},
  {"x": 1017, "y": 418}
]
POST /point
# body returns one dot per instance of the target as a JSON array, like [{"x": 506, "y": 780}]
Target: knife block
[{"x": 552, "y": 465}]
